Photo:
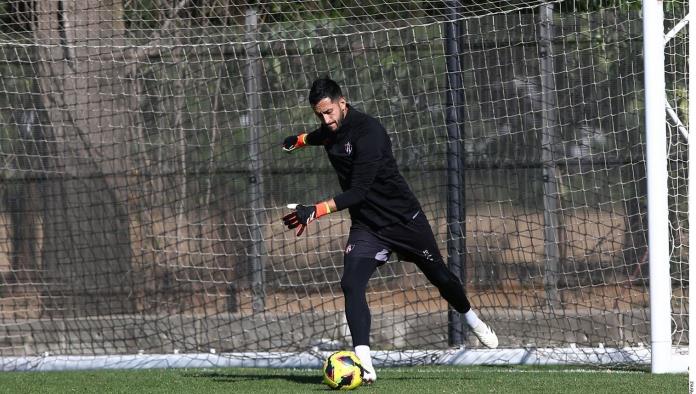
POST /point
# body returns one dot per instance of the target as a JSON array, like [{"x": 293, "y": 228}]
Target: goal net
[{"x": 143, "y": 180}]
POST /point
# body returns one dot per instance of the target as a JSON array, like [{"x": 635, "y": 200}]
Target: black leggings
[
  {"x": 357, "y": 272},
  {"x": 367, "y": 249}
]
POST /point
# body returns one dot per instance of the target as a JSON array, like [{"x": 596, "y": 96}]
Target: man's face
[{"x": 331, "y": 113}]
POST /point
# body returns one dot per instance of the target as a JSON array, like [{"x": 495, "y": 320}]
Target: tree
[{"x": 87, "y": 253}]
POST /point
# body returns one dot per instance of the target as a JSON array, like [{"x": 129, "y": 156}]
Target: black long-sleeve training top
[{"x": 374, "y": 191}]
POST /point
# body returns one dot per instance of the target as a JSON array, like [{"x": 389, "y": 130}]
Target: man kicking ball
[{"x": 385, "y": 215}]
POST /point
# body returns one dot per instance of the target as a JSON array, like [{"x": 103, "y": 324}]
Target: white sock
[
  {"x": 471, "y": 318},
  {"x": 363, "y": 353}
]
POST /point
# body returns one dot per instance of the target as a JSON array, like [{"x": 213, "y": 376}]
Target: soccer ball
[{"x": 343, "y": 371}]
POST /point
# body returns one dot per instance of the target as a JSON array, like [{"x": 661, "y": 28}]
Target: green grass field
[{"x": 430, "y": 379}]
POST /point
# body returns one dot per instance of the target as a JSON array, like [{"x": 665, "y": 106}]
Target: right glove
[
  {"x": 294, "y": 142},
  {"x": 303, "y": 215}
]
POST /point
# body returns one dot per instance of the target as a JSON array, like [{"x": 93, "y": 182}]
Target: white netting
[{"x": 143, "y": 181}]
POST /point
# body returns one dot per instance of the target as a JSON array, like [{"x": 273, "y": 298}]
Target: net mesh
[{"x": 143, "y": 181}]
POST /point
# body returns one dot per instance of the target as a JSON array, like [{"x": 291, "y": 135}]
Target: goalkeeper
[{"x": 385, "y": 214}]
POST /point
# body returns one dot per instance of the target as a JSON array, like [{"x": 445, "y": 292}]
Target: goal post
[
  {"x": 143, "y": 182},
  {"x": 666, "y": 160},
  {"x": 668, "y": 152},
  {"x": 656, "y": 163},
  {"x": 692, "y": 203}
]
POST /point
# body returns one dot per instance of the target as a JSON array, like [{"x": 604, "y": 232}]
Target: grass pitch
[{"x": 430, "y": 379}]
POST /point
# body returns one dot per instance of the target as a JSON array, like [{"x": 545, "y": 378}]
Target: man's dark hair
[{"x": 323, "y": 88}]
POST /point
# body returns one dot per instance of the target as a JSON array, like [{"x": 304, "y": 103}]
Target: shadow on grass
[
  {"x": 304, "y": 379},
  {"x": 236, "y": 376}
]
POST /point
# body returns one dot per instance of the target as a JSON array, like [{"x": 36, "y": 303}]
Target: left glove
[
  {"x": 294, "y": 142},
  {"x": 303, "y": 215}
]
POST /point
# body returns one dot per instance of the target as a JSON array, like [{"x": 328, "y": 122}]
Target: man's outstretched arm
[{"x": 362, "y": 178}]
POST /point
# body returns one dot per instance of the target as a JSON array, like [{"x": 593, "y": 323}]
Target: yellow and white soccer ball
[{"x": 343, "y": 371}]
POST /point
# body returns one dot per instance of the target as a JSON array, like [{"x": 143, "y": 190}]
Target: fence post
[
  {"x": 549, "y": 145},
  {"x": 455, "y": 170},
  {"x": 252, "y": 78}
]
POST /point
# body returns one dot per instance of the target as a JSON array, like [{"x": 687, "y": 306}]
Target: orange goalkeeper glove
[
  {"x": 304, "y": 215},
  {"x": 294, "y": 142}
]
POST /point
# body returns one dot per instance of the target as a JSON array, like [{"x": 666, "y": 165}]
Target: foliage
[
  {"x": 142, "y": 14},
  {"x": 598, "y": 5},
  {"x": 15, "y": 16}
]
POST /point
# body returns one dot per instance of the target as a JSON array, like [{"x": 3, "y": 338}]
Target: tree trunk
[{"x": 86, "y": 251}]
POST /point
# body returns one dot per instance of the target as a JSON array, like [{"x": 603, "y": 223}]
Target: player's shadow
[
  {"x": 312, "y": 383},
  {"x": 234, "y": 376}
]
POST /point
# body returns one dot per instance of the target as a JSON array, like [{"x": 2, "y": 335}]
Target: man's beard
[{"x": 339, "y": 121}]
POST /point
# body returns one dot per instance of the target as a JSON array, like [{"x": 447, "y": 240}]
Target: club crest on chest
[{"x": 348, "y": 148}]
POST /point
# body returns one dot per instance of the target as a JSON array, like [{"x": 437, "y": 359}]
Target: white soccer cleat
[
  {"x": 369, "y": 377},
  {"x": 485, "y": 335},
  {"x": 369, "y": 374}
]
